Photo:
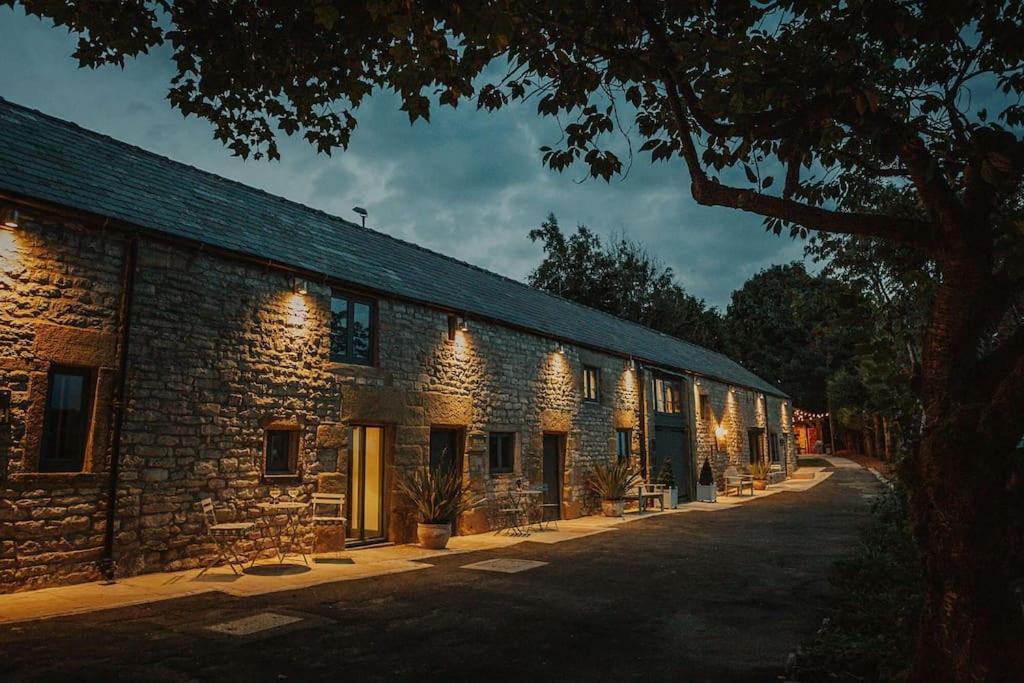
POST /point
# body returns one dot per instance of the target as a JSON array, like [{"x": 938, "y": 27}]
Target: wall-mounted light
[
  {"x": 719, "y": 435},
  {"x": 5, "y": 407},
  {"x": 10, "y": 218},
  {"x": 456, "y": 323},
  {"x": 560, "y": 348},
  {"x": 300, "y": 286}
]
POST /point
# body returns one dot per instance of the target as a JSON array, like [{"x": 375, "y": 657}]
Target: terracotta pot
[
  {"x": 433, "y": 536},
  {"x": 760, "y": 484},
  {"x": 613, "y": 508}
]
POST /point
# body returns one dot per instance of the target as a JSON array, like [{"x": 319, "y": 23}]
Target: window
[
  {"x": 773, "y": 446},
  {"x": 756, "y": 445},
  {"x": 502, "y": 452},
  {"x": 352, "y": 333},
  {"x": 281, "y": 451},
  {"x": 705, "y": 407},
  {"x": 446, "y": 448},
  {"x": 66, "y": 421},
  {"x": 667, "y": 396},
  {"x": 591, "y": 383},
  {"x": 624, "y": 442}
]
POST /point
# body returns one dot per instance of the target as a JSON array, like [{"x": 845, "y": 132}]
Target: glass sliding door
[{"x": 366, "y": 484}]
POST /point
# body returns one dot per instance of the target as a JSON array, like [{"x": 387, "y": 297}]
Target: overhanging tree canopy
[{"x": 800, "y": 100}]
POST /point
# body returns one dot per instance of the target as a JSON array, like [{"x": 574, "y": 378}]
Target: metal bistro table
[
  {"x": 530, "y": 500},
  {"x": 292, "y": 511}
]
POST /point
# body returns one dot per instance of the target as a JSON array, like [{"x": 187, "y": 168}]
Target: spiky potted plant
[
  {"x": 759, "y": 471},
  {"x": 667, "y": 478},
  {"x": 611, "y": 481},
  {"x": 706, "y": 490},
  {"x": 440, "y": 495}
]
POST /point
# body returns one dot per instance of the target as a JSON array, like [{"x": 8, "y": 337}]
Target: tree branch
[{"x": 711, "y": 193}]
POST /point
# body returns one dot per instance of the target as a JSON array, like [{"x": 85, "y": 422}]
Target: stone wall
[
  {"x": 222, "y": 350},
  {"x": 738, "y": 410},
  {"x": 59, "y": 296}
]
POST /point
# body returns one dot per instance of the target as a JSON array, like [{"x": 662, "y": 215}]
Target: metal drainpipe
[
  {"x": 108, "y": 565},
  {"x": 643, "y": 417}
]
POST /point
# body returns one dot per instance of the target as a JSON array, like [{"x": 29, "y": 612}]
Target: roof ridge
[{"x": 107, "y": 139}]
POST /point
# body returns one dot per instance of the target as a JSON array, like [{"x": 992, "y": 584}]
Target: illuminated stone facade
[{"x": 222, "y": 350}]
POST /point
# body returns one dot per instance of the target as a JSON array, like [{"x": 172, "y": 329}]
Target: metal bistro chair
[
  {"x": 328, "y": 510},
  {"x": 511, "y": 515},
  {"x": 225, "y": 535},
  {"x": 543, "y": 509}
]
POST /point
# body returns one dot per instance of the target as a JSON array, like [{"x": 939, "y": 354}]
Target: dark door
[
  {"x": 446, "y": 448},
  {"x": 671, "y": 444},
  {"x": 553, "y": 474}
]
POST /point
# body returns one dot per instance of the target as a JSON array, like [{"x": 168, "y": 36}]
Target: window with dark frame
[
  {"x": 502, "y": 447},
  {"x": 756, "y": 445},
  {"x": 281, "y": 451},
  {"x": 624, "y": 443},
  {"x": 705, "y": 407},
  {"x": 591, "y": 383},
  {"x": 352, "y": 329},
  {"x": 67, "y": 419},
  {"x": 773, "y": 446},
  {"x": 667, "y": 396}
]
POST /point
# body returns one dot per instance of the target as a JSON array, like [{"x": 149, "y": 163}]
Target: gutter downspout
[
  {"x": 643, "y": 417},
  {"x": 108, "y": 565}
]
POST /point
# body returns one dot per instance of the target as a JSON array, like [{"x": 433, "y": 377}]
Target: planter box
[
  {"x": 707, "y": 494},
  {"x": 671, "y": 498}
]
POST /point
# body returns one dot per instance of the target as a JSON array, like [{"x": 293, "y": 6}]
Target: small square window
[
  {"x": 502, "y": 452},
  {"x": 591, "y": 383},
  {"x": 281, "y": 451},
  {"x": 66, "y": 423},
  {"x": 624, "y": 443}
]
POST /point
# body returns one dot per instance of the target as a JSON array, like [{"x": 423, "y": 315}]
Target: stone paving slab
[{"x": 365, "y": 563}]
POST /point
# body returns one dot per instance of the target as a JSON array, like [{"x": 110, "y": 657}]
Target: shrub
[
  {"x": 707, "y": 477},
  {"x": 667, "y": 475},
  {"x": 869, "y": 633},
  {"x": 610, "y": 481}
]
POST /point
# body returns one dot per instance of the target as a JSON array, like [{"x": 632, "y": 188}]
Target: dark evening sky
[{"x": 467, "y": 184}]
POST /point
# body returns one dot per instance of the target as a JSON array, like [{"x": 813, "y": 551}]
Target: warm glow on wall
[
  {"x": 719, "y": 432},
  {"x": 297, "y": 311}
]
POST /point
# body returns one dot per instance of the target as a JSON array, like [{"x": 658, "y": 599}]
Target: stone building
[{"x": 167, "y": 335}]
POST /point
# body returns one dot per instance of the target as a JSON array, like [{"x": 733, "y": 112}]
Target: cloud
[{"x": 468, "y": 184}]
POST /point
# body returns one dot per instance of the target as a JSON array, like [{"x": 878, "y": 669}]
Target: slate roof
[{"x": 56, "y": 161}]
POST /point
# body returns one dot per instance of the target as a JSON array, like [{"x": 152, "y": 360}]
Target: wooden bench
[{"x": 650, "y": 492}]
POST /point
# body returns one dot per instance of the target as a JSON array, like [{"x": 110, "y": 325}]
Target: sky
[{"x": 468, "y": 184}]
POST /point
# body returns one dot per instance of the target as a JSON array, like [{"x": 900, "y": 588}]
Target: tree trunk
[
  {"x": 967, "y": 521},
  {"x": 887, "y": 438},
  {"x": 968, "y": 529}
]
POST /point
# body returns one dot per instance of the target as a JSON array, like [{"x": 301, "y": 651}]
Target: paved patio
[
  {"x": 346, "y": 566},
  {"x": 676, "y": 596}
]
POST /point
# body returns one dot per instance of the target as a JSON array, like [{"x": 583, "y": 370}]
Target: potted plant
[
  {"x": 706, "y": 489},
  {"x": 667, "y": 478},
  {"x": 759, "y": 471},
  {"x": 611, "y": 481},
  {"x": 440, "y": 496}
]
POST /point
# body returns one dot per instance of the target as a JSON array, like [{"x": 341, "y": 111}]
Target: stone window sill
[
  {"x": 289, "y": 478},
  {"x": 57, "y": 478}
]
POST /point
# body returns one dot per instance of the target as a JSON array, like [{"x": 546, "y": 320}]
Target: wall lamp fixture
[
  {"x": 300, "y": 286},
  {"x": 10, "y": 218},
  {"x": 560, "y": 348},
  {"x": 456, "y": 323}
]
